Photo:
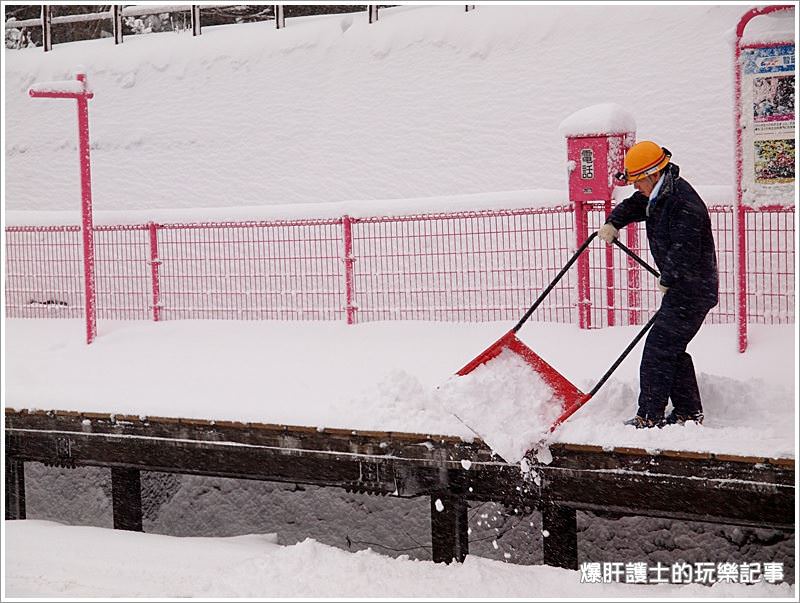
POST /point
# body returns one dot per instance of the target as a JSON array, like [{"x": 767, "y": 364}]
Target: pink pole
[
  {"x": 610, "y": 294},
  {"x": 154, "y": 264},
  {"x": 87, "y": 226},
  {"x": 741, "y": 256},
  {"x": 86, "y": 213},
  {"x": 634, "y": 281},
  {"x": 581, "y": 233},
  {"x": 348, "y": 268}
]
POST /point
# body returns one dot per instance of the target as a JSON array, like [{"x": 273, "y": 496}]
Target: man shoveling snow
[{"x": 682, "y": 244}]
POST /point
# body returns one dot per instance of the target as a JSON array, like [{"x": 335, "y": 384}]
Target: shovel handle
[
  {"x": 622, "y": 356},
  {"x": 641, "y": 333},
  {"x": 569, "y": 264},
  {"x": 638, "y": 260}
]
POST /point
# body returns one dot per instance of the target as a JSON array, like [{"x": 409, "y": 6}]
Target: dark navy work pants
[{"x": 666, "y": 371}]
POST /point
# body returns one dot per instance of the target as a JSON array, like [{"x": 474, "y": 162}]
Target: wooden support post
[
  {"x": 280, "y": 18},
  {"x": 195, "y": 19},
  {"x": 372, "y": 9},
  {"x": 47, "y": 28},
  {"x": 560, "y": 536},
  {"x": 126, "y": 496},
  {"x": 449, "y": 536},
  {"x": 15, "y": 488},
  {"x": 116, "y": 18}
]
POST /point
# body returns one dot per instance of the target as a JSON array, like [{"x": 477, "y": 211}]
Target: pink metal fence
[
  {"x": 627, "y": 294},
  {"x": 465, "y": 266}
]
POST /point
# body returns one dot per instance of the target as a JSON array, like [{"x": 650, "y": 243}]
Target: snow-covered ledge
[{"x": 605, "y": 118}]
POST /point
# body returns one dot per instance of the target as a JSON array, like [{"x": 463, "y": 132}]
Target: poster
[{"x": 768, "y": 128}]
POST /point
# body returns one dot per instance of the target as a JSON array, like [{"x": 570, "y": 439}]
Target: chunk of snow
[
  {"x": 466, "y": 463},
  {"x": 439, "y": 505},
  {"x": 605, "y": 118},
  {"x": 544, "y": 456},
  {"x": 506, "y": 402},
  {"x": 60, "y": 87}
]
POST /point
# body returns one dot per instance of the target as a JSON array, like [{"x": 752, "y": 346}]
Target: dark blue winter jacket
[{"x": 679, "y": 232}]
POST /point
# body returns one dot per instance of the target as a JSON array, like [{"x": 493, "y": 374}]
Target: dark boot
[
  {"x": 675, "y": 418},
  {"x": 642, "y": 423}
]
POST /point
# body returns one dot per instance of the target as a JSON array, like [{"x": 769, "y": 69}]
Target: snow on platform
[
  {"x": 384, "y": 377},
  {"x": 42, "y": 562}
]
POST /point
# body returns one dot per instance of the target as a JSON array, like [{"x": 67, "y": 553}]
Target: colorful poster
[{"x": 768, "y": 124}]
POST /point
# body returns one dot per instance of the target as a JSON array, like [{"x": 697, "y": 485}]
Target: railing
[
  {"x": 464, "y": 266},
  {"x": 117, "y": 13}
]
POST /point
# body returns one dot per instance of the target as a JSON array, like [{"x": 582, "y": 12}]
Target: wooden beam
[
  {"x": 15, "y": 488},
  {"x": 449, "y": 528},
  {"x": 560, "y": 536},
  {"x": 126, "y": 496}
]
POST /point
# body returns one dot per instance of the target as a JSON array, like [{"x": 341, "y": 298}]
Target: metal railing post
[
  {"x": 155, "y": 262},
  {"x": 47, "y": 28},
  {"x": 611, "y": 313},
  {"x": 634, "y": 277},
  {"x": 584, "y": 298},
  {"x": 116, "y": 17},
  {"x": 347, "y": 233},
  {"x": 195, "y": 19}
]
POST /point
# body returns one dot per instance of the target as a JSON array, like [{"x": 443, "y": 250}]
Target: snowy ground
[
  {"x": 383, "y": 376},
  {"x": 43, "y": 562}
]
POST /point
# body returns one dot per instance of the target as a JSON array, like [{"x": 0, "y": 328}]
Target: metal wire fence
[{"x": 462, "y": 266}]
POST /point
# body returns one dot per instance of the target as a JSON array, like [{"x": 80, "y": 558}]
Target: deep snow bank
[{"x": 430, "y": 101}]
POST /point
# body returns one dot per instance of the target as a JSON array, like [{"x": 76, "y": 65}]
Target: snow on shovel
[{"x": 513, "y": 395}]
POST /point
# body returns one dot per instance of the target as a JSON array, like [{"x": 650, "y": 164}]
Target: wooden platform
[{"x": 754, "y": 491}]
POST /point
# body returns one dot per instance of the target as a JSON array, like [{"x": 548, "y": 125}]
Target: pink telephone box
[
  {"x": 597, "y": 139},
  {"x": 592, "y": 162}
]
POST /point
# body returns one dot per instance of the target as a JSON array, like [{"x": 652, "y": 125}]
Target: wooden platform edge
[{"x": 408, "y": 437}]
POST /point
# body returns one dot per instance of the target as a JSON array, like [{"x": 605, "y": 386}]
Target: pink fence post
[
  {"x": 79, "y": 91},
  {"x": 584, "y": 297},
  {"x": 610, "y": 311},
  {"x": 347, "y": 233},
  {"x": 155, "y": 262},
  {"x": 634, "y": 276}
]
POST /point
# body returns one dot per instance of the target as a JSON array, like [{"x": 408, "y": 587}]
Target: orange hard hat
[{"x": 642, "y": 159}]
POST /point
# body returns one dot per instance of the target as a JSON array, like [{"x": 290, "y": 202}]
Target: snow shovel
[{"x": 571, "y": 397}]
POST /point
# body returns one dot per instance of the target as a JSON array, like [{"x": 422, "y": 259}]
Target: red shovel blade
[{"x": 571, "y": 397}]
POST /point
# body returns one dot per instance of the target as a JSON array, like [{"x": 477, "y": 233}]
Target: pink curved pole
[{"x": 81, "y": 94}]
